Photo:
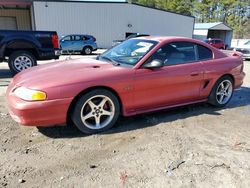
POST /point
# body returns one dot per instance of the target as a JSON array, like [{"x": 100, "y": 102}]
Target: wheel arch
[
  {"x": 75, "y": 99},
  {"x": 87, "y": 46},
  {"x": 216, "y": 80},
  {"x": 211, "y": 97},
  {"x": 21, "y": 45},
  {"x": 229, "y": 75}
]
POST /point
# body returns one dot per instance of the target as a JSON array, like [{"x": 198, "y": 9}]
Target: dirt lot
[{"x": 193, "y": 146}]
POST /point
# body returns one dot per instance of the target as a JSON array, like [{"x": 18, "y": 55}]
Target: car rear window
[
  {"x": 86, "y": 37},
  {"x": 204, "y": 53},
  {"x": 217, "y": 41}
]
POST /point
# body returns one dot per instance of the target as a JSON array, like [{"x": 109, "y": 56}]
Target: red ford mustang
[{"x": 139, "y": 75}]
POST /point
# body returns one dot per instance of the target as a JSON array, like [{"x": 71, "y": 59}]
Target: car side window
[
  {"x": 204, "y": 53},
  {"x": 176, "y": 53},
  {"x": 77, "y": 38},
  {"x": 68, "y": 38}
]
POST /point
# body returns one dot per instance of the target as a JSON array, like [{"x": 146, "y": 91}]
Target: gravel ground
[{"x": 192, "y": 146}]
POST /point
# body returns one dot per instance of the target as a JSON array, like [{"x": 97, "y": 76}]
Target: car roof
[
  {"x": 78, "y": 35},
  {"x": 174, "y": 39},
  {"x": 164, "y": 38},
  {"x": 215, "y": 39}
]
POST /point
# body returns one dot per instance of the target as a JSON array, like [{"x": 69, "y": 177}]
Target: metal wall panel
[
  {"x": 109, "y": 21},
  {"x": 22, "y": 18},
  {"x": 7, "y": 22}
]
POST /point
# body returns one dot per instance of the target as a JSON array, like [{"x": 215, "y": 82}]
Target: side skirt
[{"x": 142, "y": 111}]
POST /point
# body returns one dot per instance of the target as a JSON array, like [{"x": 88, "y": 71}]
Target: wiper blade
[{"x": 109, "y": 59}]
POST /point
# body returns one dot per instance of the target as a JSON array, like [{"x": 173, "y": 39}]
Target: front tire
[
  {"x": 222, "y": 92},
  {"x": 96, "y": 111},
  {"x": 21, "y": 60}
]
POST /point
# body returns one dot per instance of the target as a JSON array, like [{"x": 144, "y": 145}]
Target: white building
[
  {"x": 219, "y": 30},
  {"x": 107, "y": 21}
]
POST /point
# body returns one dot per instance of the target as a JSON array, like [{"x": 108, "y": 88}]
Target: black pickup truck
[{"x": 22, "y": 49}]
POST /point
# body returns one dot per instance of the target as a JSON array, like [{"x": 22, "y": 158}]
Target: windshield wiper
[{"x": 109, "y": 59}]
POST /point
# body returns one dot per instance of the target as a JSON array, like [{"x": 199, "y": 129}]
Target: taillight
[
  {"x": 94, "y": 38},
  {"x": 54, "y": 39},
  {"x": 237, "y": 54}
]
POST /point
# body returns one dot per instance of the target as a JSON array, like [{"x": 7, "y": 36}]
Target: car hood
[{"x": 65, "y": 72}]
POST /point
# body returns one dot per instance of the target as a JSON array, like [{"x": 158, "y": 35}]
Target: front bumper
[{"x": 37, "y": 113}]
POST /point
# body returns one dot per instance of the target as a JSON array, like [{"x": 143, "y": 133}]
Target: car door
[
  {"x": 178, "y": 81},
  {"x": 66, "y": 43},
  {"x": 78, "y": 43}
]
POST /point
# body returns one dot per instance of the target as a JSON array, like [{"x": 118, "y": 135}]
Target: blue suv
[{"x": 84, "y": 44}]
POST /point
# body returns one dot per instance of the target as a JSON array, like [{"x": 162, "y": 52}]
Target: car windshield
[
  {"x": 247, "y": 43},
  {"x": 128, "y": 52}
]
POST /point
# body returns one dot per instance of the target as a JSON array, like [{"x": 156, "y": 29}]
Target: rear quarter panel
[
  {"x": 216, "y": 68},
  {"x": 91, "y": 43}
]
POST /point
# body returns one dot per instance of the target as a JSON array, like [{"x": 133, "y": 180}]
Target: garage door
[{"x": 8, "y": 22}]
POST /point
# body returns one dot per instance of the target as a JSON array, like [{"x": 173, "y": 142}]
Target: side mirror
[{"x": 153, "y": 64}]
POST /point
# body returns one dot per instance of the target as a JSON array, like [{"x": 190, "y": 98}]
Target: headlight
[{"x": 29, "y": 94}]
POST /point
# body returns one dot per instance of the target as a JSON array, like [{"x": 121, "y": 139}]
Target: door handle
[{"x": 194, "y": 74}]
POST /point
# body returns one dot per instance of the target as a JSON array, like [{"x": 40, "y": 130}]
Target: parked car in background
[
  {"x": 217, "y": 43},
  {"x": 134, "y": 35},
  {"x": 22, "y": 49},
  {"x": 84, "y": 44},
  {"x": 139, "y": 75},
  {"x": 244, "y": 49}
]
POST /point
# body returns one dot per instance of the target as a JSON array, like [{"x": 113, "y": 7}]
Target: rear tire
[
  {"x": 96, "y": 111},
  {"x": 21, "y": 60},
  {"x": 87, "y": 50},
  {"x": 222, "y": 92}
]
